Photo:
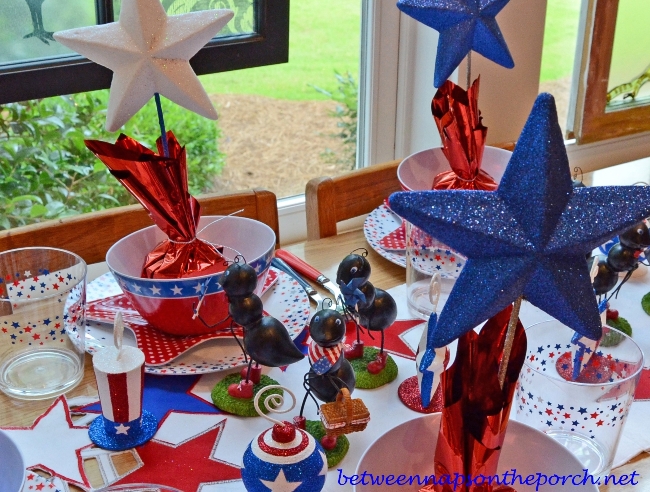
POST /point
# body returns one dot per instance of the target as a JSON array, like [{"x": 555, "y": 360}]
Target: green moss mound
[
  {"x": 335, "y": 455},
  {"x": 365, "y": 380},
  {"x": 613, "y": 338},
  {"x": 238, "y": 406},
  {"x": 645, "y": 303}
]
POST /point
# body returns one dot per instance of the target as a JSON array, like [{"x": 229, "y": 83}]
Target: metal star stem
[
  {"x": 510, "y": 338},
  {"x": 161, "y": 123}
]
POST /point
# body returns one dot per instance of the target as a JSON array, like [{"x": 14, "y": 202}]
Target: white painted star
[
  {"x": 137, "y": 288},
  {"x": 28, "y": 273},
  {"x": 53, "y": 442},
  {"x": 122, "y": 429},
  {"x": 155, "y": 290},
  {"x": 325, "y": 469},
  {"x": 177, "y": 290},
  {"x": 198, "y": 287},
  {"x": 280, "y": 483},
  {"x": 149, "y": 52}
]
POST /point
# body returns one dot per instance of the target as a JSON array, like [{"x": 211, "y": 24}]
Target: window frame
[
  {"x": 592, "y": 122},
  {"x": 69, "y": 74}
]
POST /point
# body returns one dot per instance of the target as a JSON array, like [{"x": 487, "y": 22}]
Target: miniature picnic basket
[{"x": 345, "y": 415}]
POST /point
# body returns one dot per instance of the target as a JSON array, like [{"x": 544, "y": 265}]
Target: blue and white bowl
[{"x": 168, "y": 304}]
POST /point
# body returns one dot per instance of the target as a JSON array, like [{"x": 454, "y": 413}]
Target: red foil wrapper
[
  {"x": 159, "y": 183},
  {"x": 476, "y": 409},
  {"x": 458, "y": 119}
]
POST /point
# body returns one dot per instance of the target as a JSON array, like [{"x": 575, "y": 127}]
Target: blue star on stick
[
  {"x": 463, "y": 25},
  {"x": 529, "y": 237}
]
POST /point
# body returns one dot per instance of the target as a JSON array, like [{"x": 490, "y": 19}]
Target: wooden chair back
[
  {"x": 331, "y": 200},
  {"x": 91, "y": 235}
]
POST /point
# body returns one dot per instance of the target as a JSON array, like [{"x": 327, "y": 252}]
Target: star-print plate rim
[
  {"x": 383, "y": 221},
  {"x": 285, "y": 300},
  {"x": 380, "y": 222}
]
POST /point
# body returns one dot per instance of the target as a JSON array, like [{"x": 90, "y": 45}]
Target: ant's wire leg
[
  {"x": 307, "y": 386},
  {"x": 248, "y": 372},
  {"x": 232, "y": 330}
]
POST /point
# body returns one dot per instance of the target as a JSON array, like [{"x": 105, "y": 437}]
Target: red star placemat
[
  {"x": 187, "y": 466},
  {"x": 393, "y": 342},
  {"x": 642, "y": 392}
]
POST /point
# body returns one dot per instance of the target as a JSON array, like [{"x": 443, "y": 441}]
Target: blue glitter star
[
  {"x": 463, "y": 25},
  {"x": 527, "y": 238}
]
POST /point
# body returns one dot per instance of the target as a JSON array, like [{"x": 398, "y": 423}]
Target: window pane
[
  {"x": 282, "y": 125},
  {"x": 242, "y": 23},
  {"x": 558, "y": 54},
  {"x": 26, "y": 26},
  {"x": 629, "y": 73}
]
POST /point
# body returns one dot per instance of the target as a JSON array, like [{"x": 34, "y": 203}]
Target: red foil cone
[
  {"x": 476, "y": 410},
  {"x": 160, "y": 184},
  {"x": 458, "y": 119}
]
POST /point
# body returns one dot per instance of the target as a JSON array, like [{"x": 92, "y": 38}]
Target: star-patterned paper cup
[
  {"x": 586, "y": 413},
  {"x": 42, "y": 322}
]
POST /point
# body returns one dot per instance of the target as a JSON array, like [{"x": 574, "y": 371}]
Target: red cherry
[
  {"x": 328, "y": 442},
  {"x": 283, "y": 433},
  {"x": 612, "y": 314},
  {"x": 300, "y": 422}
]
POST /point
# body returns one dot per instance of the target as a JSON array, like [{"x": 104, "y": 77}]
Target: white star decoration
[
  {"x": 122, "y": 429},
  {"x": 155, "y": 290},
  {"x": 149, "y": 52},
  {"x": 177, "y": 290},
  {"x": 53, "y": 443},
  {"x": 198, "y": 287},
  {"x": 325, "y": 469},
  {"x": 280, "y": 483}
]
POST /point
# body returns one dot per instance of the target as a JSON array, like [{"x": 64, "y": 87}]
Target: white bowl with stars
[{"x": 168, "y": 304}]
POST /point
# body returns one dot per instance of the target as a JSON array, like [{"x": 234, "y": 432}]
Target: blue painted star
[
  {"x": 163, "y": 394},
  {"x": 463, "y": 25},
  {"x": 527, "y": 238}
]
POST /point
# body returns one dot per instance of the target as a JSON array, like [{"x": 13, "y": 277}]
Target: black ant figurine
[
  {"x": 266, "y": 340},
  {"x": 369, "y": 307},
  {"x": 329, "y": 370},
  {"x": 622, "y": 257}
]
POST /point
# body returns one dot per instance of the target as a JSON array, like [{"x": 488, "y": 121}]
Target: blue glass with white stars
[
  {"x": 42, "y": 322},
  {"x": 586, "y": 415}
]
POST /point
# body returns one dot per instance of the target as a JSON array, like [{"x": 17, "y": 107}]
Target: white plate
[
  {"x": 12, "y": 466},
  {"x": 285, "y": 300},
  {"x": 408, "y": 449}
]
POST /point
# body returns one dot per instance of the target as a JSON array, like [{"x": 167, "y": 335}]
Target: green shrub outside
[
  {"x": 47, "y": 172},
  {"x": 346, "y": 96}
]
